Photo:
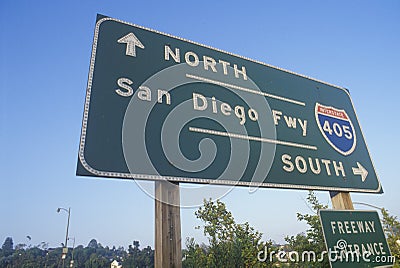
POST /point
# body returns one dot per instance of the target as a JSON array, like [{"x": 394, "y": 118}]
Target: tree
[
  {"x": 194, "y": 255},
  {"x": 134, "y": 251},
  {"x": 7, "y": 251},
  {"x": 96, "y": 261},
  {"x": 92, "y": 256},
  {"x": 231, "y": 244},
  {"x": 93, "y": 244},
  {"x": 8, "y": 247},
  {"x": 139, "y": 258},
  {"x": 391, "y": 227},
  {"x": 313, "y": 239}
]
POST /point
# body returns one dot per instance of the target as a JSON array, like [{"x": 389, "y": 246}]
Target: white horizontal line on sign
[
  {"x": 251, "y": 138},
  {"x": 249, "y": 90}
]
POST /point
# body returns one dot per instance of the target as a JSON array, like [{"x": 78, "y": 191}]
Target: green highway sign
[
  {"x": 161, "y": 107},
  {"x": 355, "y": 239}
]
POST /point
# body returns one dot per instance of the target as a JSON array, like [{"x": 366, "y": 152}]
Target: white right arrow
[{"x": 360, "y": 170}]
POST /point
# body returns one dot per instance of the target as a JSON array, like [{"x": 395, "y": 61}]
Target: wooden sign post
[
  {"x": 341, "y": 200},
  {"x": 168, "y": 249}
]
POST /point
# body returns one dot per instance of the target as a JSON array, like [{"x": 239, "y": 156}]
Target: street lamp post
[
  {"x": 368, "y": 205},
  {"x": 65, "y": 250},
  {"x": 380, "y": 209},
  {"x": 72, "y": 263}
]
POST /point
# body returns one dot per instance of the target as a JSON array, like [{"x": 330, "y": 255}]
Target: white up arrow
[
  {"x": 131, "y": 42},
  {"x": 360, "y": 170}
]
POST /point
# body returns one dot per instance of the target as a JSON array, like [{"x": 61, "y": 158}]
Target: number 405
[{"x": 338, "y": 129}]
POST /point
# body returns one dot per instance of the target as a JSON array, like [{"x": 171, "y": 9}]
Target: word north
[{"x": 209, "y": 63}]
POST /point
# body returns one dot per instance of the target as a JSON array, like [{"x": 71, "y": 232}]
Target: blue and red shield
[{"x": 336, "y": 127}]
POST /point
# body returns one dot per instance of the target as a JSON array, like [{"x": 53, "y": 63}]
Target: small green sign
[
  {"x": 355, "y": 239},
  {"x": 161, "y": 107}
]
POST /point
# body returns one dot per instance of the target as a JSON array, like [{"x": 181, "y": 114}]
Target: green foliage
[
  {"x": 194, "y": 255},
  {"x": 391, "y": 227},
  {"x": 8, "y": 247},
  {"x": 230, "y": 244},
  {"x": 139, "y": 258},
  {"x": 93, "y": 244},
  {"x": 313, "y": 240},
  {"x": 6, "y": 252},
  {"x": 237, "y": 245},
  {"x": 92, "y": 256}
]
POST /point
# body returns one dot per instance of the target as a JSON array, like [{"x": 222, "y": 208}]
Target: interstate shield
[{"x": 336, "y": 127}]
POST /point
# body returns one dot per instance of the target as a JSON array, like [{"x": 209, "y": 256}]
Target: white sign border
[{"x": 185, "y": 179}]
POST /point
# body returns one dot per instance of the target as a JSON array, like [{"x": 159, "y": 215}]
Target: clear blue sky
[{"x": 45, "y": 50}]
